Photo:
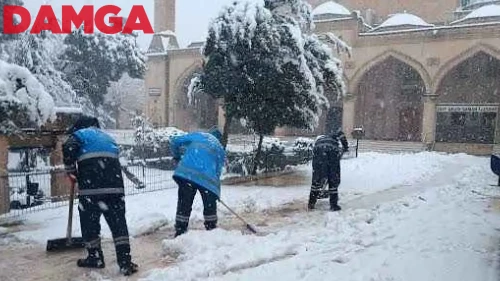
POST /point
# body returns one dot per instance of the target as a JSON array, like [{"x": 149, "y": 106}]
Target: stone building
[{"x": 420, "y": 71}]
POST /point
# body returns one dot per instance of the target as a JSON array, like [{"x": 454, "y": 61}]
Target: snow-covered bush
[
  {"x": 303, "y": 143},
  {"x": 240, "y": 163},
  {"x": 150, "y": 141},
  {"x": 273, "y": 145},
  {"x": 23, "y": 100},
  {"x": 156, "y": 138}
]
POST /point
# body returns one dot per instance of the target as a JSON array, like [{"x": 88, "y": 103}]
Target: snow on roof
[
  {"x": 402, "y": 20},
  {"x": 480, "y": 2},
  {"x": 69, "y": 110},
  {"x": 331, "y": 8},
  {"x": 196, "y": 44},
  {"x": 165, "y": 42},
  {"x": 431, "y": 28},
  {"x": 166, "y": 33},
  {"x": 485, "y": 12}
]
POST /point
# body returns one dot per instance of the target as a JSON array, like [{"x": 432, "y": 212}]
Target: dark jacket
[
  {"x": 326, "y": 148},
  {"x": 93, "y": 157},
  {"x": 340, "y": 136}
]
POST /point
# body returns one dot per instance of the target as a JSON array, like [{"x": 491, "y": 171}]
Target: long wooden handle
[
  {"x": 248, "y": 226},
  {"x": 70, "y": 215}
]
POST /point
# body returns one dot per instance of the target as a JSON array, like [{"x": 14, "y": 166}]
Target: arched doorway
[
  {"x": 389, "y": 104},
  {"x": 467, "y": 103},
  {"x": 198, "y": 112}
]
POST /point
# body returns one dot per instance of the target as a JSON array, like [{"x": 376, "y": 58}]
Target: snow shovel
[
  {"x": 67, "y": 243},
  {"x": 137, "y": 182},
  {"x": 247, "y": 225}
]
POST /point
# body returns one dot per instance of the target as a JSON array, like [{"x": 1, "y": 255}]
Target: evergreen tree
[
  {"x": 92, "y": 61},
  {"x": 224, "y": 73},
  {"x": 124, "y": 96},
  {"x": 39, "y": 53},
  {"x": 267, "y": 67},
  {"x": 23, "y": 101}
]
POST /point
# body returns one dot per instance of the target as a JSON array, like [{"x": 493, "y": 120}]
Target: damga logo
[{"x": 17, "y": 19}]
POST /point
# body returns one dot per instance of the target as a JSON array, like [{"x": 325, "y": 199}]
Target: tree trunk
[
  {"x": 257, "y": 155},
  {"x": 225, "y": 133}
]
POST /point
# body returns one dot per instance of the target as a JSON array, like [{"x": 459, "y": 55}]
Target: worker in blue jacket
[
  {"x": 199, "y": 169},
  {"x": 91, "y": 157}
]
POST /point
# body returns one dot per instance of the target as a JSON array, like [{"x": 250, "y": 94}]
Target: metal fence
[{"x": 32, "y": 191}]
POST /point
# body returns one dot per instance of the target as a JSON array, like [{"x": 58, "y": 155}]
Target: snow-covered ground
[{"x": 425, "y": 216}]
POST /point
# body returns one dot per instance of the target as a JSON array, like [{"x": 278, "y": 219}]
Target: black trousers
[
  {"x": 186, "y": 193},
  {"x": 113, "y": 208},
  {"x": 326, "y": 171}
]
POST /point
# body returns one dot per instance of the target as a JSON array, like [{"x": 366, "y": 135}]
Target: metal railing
[{"x": 31, "y": 192}]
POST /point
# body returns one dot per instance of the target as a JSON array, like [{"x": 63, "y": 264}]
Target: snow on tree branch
[
  {"x": 23, "y": 100},
  {"x": 341, "y": 45}
]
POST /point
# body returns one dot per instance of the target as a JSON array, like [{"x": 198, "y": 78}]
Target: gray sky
[{"x": 193, "y": 16}]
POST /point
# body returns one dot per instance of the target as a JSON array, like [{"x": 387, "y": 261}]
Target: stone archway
[
  {"x": 455, "y": 61},
  {"x": 199, "y": 112},
  {"x": 468, "y": 96},
  {"x": 415, "y": 64},
  {"x": 389, "y": 102}
]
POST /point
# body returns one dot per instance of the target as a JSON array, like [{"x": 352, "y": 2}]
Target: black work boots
[
  {"x": 95, "y": 259},
  {"x": 129, "y": 268},
  {"x": 334, "y": 202}
]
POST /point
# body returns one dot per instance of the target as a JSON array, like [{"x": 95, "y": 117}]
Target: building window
[
  {"x": 457, "y": 119},
  {"x": 466, "y": 127},
  {"x": 492, "y": 70}
]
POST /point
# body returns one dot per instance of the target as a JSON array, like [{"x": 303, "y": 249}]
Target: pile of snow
[
  {"x": 484, "y": 12},
  {"x": 369, "y": 174},
  {"x": 445, "y": 232},
  {"x": 443, "y": 228},
  {"x": 331, "y": 8},
  {"x": 21, "y": 93},
  {"x": 403, "y": 19}
]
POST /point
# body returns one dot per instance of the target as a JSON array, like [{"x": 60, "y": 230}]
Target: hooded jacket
[
  {"x": 93, "y": 157},
  {"x": 202, "y": 160}
]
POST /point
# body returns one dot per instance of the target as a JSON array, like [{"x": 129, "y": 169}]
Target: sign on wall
[
  {"x": 155, "y": 92},
  {"x": 467, "y": 108}
]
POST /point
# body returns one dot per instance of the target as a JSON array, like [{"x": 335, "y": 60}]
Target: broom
[{"x": 67, "y": 243}]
